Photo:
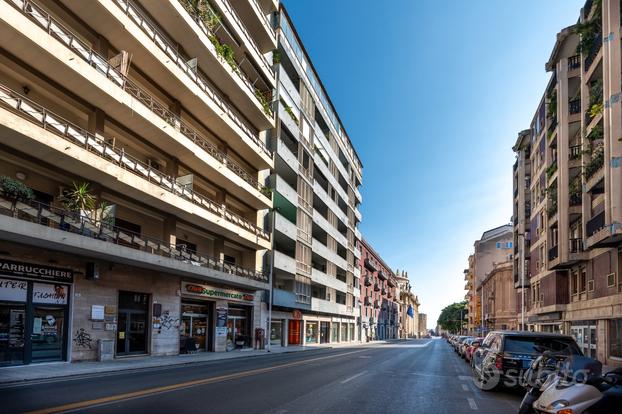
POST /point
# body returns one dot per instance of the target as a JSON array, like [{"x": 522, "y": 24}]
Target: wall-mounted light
[{"x": 20, "y": 175}]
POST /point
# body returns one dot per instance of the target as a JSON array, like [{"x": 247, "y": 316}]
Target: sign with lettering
[
  {"x": 195, "y": 289},
  {"x": 35, "y": 271},
  {"x": 13, "y": 290},
  {"x": 47, "y": 293}
]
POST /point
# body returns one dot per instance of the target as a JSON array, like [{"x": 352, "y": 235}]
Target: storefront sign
[
  {"x": 35, "y": 271},
  {"x": 205, "y": 291},
  {"x": 13, "y": 290},
  {"x": 48, "y": 293},
  {"x": 297, "y": 314}
]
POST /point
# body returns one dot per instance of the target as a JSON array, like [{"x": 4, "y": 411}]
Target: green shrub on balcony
[
  {"x": 204, "y": 11},
  {"x": 225, "y": 52},
  {"x": 15, "y": 189},
  {"x": 596, "y": 110},
  {"x": 596, "y": 133},
  {"x": 264, "y": 100},
  {"x": 552, "y": 106},
  {"x": 276, "y": 57},
  {"x": 589, "y": 31},
  {"x": 596, "y": 163},
  {"x": 291, "y": 113}
]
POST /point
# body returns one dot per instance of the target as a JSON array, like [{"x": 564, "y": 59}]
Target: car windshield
[{"x": 532, "y": 345}]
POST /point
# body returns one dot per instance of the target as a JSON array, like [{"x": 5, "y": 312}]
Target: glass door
[
  {"x": 324, "y": 332},
  {"x": 276, "y": 333},
  {"x": 132, "y": 323},
  {"x": 48, "y": 324},
  {"x": 12, "y": 333}
]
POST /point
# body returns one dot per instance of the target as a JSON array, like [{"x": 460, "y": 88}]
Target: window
[
  {"x": 508, "y": 245},
  {"x": 583, "y": 282},
  {"x": 229, "y": 259},
  {"x": 611, "y": 280},
  {"x": 302, "y": 289},
  {"x": 615, "y": 338},
  {"x": 498, "y": 245}
]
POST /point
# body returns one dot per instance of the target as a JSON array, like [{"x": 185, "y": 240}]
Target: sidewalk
[{"x": 50, "y": 370}]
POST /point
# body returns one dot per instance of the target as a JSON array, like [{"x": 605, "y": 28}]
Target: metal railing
[
  {"x": 268, "y": 22},
  {"x": 574, "y": 106},
  {"x": 595, "y": 224},
  {"x": 65, "y": 36},
  {"x": 553, "y": 253},
  {"x": 576, "y": 245},
  {"x": 598, "y": 42},
  {"x": 249, "y": 38},
  {"x": 575, "y": 152},
  {"x": 54, "y": 123},
  {"x": 574, "y": 62},
  {"x": 172, "y": 51},
  {"x": 77, "y": 223}
]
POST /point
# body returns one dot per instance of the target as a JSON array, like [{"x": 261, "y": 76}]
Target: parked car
[
  {"x": 464, "y": 345},
  {"x": 503, "y": 356},
  {"x": 474, "y": 344}
]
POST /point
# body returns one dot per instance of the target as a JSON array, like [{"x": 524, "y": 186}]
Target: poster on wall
[
  {"x": 221, "y": 317},
  {"x": 47, "y": 293},
  {"x": 13, "y": 290}
]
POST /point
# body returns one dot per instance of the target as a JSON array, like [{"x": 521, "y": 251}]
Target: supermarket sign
[{"x": 210, "y": 292}]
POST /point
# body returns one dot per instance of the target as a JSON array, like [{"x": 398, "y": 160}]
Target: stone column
[
  {"x": 220, "y": 342},
  {"x": 169, "y": 230}
]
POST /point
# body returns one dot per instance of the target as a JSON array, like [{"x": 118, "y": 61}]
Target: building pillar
[
  {"x": 169, "y": 230},
  {"x": 102, "y": 46},
  {"x": 220, "y": 338},
  {"x": 96, "y": 122},
  {"x": 219, "y": 249}
]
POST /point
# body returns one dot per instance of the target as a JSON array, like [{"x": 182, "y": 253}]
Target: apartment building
[
  {"x": 379, "y": 302},
  {"x": 134, "y": 152},
  {"x": 498, "y": 298},
  {"x": 521, "y": 267},
  {"x": 408, "y": 305},
  {"x": 495, "y": 246},
  {"x": 576, "y": 191},
  {"x": 316, "y": 214}
]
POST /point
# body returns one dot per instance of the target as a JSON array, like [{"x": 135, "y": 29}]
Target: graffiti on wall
[
  {"x": 83, "y": 339},
  {"x": 166, "y": 322}
]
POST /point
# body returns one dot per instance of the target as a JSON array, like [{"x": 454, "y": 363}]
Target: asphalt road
[{"x": 415, "y": 376}]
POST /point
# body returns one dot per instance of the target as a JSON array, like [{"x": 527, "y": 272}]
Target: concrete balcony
[
  {"x": 284, "y": 262},
  {"x": 288, "y": 299},
  {"x": 286, "y": 85},
  {"x": 257, "y": 22},
  {"x": 328, "y": 281},
  {"x": 48, "y": 227},
  {"x": 285, "y": 226},
  {"x": 329, "y": 228},
  {"x": 319, "y": 164},
  {"x": 324, "y": 306},
  {"x": 283, "y": 188},
  {"x": 248, "y": 42},
  {"x": 287, "y": 120},
  {"x": 323, "y": 251},
  {"x": 126, "y": 28},
  {"x": 29, "y": 128},
  {"x": 239, "y": 83},
  {"x": 286, "y": 155},
  {"x": 599, "y": 234},
  {"x": 357, "y": 234},
  {"x": 357, "y": 252},
  {"x": 357, "y": 272},
  {"x": 63, "y": 57},
  {"x": 321, "y": 192}
]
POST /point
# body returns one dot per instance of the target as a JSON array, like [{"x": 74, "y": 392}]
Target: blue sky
[{"x": 433, "y": 99}]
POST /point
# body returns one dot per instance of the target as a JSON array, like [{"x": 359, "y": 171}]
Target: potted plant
[{"x": 15, "y": 189}]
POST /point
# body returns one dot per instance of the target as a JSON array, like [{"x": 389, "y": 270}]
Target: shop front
[
  {"x": 34, "y": 312},
  {"x": 215, "y": 318}
]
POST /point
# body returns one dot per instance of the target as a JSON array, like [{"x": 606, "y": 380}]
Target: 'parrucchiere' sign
[{"x": 35, "y": 271}]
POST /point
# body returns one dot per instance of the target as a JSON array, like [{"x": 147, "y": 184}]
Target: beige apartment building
[
  {"x": 576, "y": 188},
  {"x": 498, "y": 298},
  {"x": 134, "y": 157},
  {"x": 408, "y": 324},
  {"x": 495, "y": 246}
]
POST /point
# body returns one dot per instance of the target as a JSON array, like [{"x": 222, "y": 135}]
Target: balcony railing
[
  {"x": 172, "y": 51},
  {"x": 368, "y": 281},
  {"x": 595, "y": 224},
  {"x": 73, "y": 222},
  {"x": 370, "y": 265},
  {"x": 575, "y": 152},
  {"x": 574, "y": 106},
  {"x": 553, "y": 253},
  {"x": 576, "y": 245},
  {"x": 81, "y": 49},
  {"x": 382, "y": 275},
  {"x": 574, "y": 62},
  {"x": 595, "y": 164},
  {"x": 51, "y": 122},
  {"x": 376, "y": 287}
]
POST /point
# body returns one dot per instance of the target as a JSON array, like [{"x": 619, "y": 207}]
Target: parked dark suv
[{"x": 504, "y": 355}]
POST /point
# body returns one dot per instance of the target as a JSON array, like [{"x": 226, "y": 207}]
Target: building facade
[
  {"x": 576, "y": 190},
  {"x": 423, "y": 325},
  {"x": 134, "y": 157},
  {"x": 495, "y": 246},
  {"x": 379, "y": 304},
  {"x": 316, "y": 183},
  {"x": 498, "y": 296},
  {"x": 408, "y": 305}
]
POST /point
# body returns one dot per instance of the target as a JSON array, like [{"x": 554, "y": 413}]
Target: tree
[{"x": 453, "y": 316}]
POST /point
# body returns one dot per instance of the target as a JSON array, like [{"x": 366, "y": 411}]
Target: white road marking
[
  {"x": 465, "y": 387},
  {"x": 365, "y": 356},
  {"x": 464, "y": 377},
  {"x": 472, "y": 403},
  {"x": 353, "y": 377}
]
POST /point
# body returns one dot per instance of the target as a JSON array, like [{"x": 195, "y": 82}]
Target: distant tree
[{"x": 453, "y": 316}]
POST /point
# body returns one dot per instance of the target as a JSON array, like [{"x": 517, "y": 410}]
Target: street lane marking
[
  {"x": 174, "y": 387},
  {"x": 464, "y": 377},
  {"x": 353, "y": 377},
  {"x": 472, "y": 403},
  {"x": 465, "y": 387}
]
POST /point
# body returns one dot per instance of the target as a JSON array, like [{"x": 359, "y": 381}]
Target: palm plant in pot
[{"x": 79, "y": 200}]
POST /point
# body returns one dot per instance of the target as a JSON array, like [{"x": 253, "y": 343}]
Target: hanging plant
[
  {"x": 552, "y": 107},
  {"x": 225, "y": 52},
  {"x": 15, "y": 189},
  {"x": 290, "y": 112},
  {"x": 264, "y": 100}
]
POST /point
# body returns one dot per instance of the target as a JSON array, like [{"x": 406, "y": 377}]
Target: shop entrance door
[
  {"x": 293, "y": 332},
  {"x": 132, "y": 323},
  {"x": 585, "y": 335},
  {"x": 194, "y": 328},
  {"x": 48, "y": 328},
  {"x": 12, "y": 333},
  {"x": 324, "y": 332}
]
